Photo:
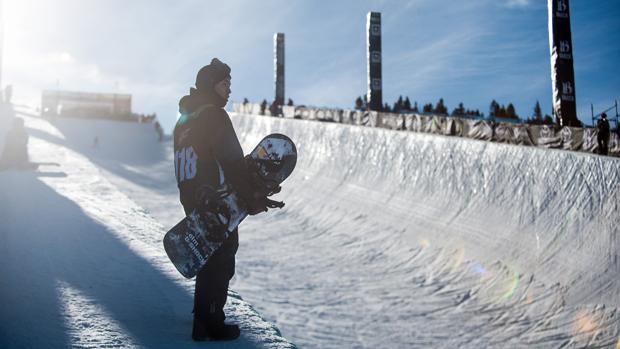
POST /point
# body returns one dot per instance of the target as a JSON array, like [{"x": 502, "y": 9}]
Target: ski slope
[
  {"x": 403, "y": 240},
  {"x": 82, "y": 265}
]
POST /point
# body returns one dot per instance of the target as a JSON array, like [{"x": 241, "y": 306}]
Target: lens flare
[
  {"x": 514, "y": 283},
  {"x": 585, "y": 325},
  {"x": 478, "y": 268},
  {"x": 457, "y": 259}
]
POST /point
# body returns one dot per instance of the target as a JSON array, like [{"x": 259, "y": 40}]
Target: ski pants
[
  {"x": 211, "y": 288},
  {"x": 603, "y": 146}
]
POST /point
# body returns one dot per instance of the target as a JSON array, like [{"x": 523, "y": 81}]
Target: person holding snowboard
[
  {"x": 603, "y": 134},
  {"x": 206, "y": 151}
]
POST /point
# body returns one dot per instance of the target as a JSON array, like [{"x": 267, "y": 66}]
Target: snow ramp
[{"x": 400, "y": 239}]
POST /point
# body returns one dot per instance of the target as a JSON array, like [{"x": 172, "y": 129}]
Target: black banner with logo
[
  {"x": 562, "y": 73},
  {"x": 278, "y": 67},
  {"x": 373, "y": 35}
]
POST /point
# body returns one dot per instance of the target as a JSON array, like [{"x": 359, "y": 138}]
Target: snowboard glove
[
  {"x": 262, "y": 204},
  {"x": 274, "y": 190}
]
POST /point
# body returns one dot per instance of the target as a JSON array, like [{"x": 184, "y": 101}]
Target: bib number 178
[{"x": 185, "y": 164}]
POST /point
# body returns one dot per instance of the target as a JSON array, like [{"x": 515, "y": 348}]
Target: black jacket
[
  {"x": 603, "y": 128},
  {"x": 206, "y": 149}
]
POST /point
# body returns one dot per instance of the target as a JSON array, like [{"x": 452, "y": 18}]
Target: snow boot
[{"x": 224, "y": 332}]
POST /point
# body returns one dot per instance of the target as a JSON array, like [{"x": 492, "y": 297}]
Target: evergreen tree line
[
  {"x": 495, "y": 110},
  {"x": 404, "y": 106}
]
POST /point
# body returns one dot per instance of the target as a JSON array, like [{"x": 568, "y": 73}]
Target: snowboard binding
[{"x": 214, "y": 213}]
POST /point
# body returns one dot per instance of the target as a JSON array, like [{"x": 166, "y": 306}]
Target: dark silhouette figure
[
  {"x": 15, "y": 152},
  {"x": 603, "y": 134},
  {"x": 263, "y": 107},
  {"x": 206, "y": 147}
]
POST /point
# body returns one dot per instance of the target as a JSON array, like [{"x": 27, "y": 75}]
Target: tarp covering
[
  {"x": 504, "y": 133},
  {"x": 572, "y": 138},
  {"x": 590, "y": 143},
  {"x": 479, "y": 129},
  {"x": 547, "y": 136},
  {"x": 522, "y": 135}
]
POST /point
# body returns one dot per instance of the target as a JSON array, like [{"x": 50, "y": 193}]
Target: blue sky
[{"x": 469, "y": 51}]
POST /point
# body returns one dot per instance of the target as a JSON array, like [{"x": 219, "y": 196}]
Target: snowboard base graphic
[{"x": 191, "y": 242}]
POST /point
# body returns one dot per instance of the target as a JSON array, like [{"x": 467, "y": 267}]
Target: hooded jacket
[
  {"x": 603, "y": 128},
  {"x": 206, "y": 149}
]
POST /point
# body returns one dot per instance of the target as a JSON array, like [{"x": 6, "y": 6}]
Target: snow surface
[
  {"x": 81, "y": 264},
  {"x": 389, "y": 240}
]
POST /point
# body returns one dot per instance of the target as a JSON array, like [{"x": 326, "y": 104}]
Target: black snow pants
[
  {"x": 211, "y": 288},
  {"x": 603, "y": 144}
]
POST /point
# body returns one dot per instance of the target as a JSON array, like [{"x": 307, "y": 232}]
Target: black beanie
[{"x": 211, "y": 74}]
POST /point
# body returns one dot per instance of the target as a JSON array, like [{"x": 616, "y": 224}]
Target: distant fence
[{"x": 547, "y": 136}]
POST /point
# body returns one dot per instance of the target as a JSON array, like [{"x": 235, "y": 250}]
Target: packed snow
[
  {"x": 388, "y": 240},
  {"x": 82, "y": 265}
]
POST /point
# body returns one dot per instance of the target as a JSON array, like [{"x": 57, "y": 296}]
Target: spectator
[
  {"x": 603, "y": 134},
  {"x": 274, "y": 109}
]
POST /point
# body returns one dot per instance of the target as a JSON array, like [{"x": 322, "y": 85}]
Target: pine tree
[
  {"x": 398, "y": 105},
  {"x": 407, "y": 104},
  {"x": 441, "y": 108},
  {"x": 537, "y": 113},
  {"x": 290, "y": 103},
  {"x": 511, "y": 112},
  {"x": 494, "y": 108},
  {"x": 386, "y": 108},
  {"x": 415, "y": 107},
  {"x": 427, "y": 108},
  {"x": 502, "y": 111},
  {"x": 460, "y": 110}
]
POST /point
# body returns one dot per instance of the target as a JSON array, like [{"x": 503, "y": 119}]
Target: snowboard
[{"x": 191, "y": 242}]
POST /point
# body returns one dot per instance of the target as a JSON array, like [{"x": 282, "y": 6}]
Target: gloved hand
[
  {"x": 275, "y": 190},
  {"x": 262, "y": 204}
]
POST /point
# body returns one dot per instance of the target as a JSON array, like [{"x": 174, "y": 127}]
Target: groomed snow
[
  {"x": 82, "y": 265},
  {"x": 394, "y": 239},
  {"x": 403, "y": 240}
]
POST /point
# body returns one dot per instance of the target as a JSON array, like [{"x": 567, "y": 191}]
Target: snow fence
[{"x": 547, "y": 136}]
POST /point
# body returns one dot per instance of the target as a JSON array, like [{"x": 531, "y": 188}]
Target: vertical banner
[
  {"x": 562, "y": 73},
  {"x": 1, "y": 46},
  {"x": 278, "y": 67},
  {"x": 373, "y": 55}
]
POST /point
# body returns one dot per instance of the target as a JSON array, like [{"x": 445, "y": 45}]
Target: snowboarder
[
  {"x": 603, "y": 134},
  {"x": 206, "y": 147}
]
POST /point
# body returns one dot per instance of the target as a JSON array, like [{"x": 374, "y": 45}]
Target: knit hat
[{"x": 211, "y": 74}]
